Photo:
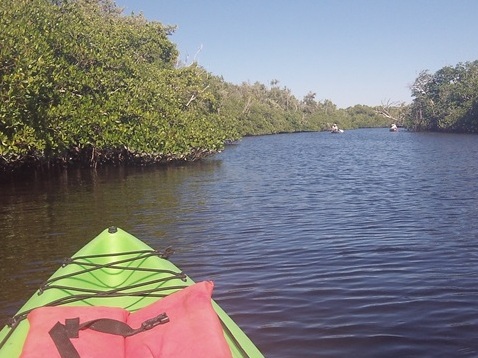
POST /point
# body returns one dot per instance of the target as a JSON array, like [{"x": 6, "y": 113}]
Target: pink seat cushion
[
  {"x": 194, "y": 329},
  {"x": 91, "y": 344}
]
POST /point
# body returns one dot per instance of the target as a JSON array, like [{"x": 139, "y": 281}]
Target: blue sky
[{"x": 348, "y": 51}]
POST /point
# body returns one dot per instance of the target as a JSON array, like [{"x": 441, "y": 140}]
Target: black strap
[
  {"x": 61, "y": 334},
  {"x": 62, "y": 342}
]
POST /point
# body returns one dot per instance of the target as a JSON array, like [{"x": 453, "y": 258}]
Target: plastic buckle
[{"x": 153, "y": 322}]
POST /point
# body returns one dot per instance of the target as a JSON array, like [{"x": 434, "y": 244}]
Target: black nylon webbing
[
  {"x": 61, "y": 333},
  {"x": 62, "y": 342}
]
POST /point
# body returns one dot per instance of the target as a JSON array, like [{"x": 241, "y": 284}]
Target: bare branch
[
  {"x": 391, "y": 110},
  {"x": 197, "y": 53},
  {"x": 194, "y": 95},
  {"x": 248, "y": 104}
]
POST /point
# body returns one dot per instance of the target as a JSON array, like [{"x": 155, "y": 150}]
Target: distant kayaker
[
  {"x": 393, "y": 127},
  {"x": 335, "y": 128}
]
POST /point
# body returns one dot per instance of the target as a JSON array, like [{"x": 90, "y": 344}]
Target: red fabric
[
  {"x": 91, "y": 344},
  {"x": 194, "y": 329}
]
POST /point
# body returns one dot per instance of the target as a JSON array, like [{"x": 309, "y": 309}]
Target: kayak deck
[{"x": 115, "y": 269}]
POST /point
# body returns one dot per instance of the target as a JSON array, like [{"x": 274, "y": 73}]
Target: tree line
[
  {"x": 82, "y": 84},
  {"x": 447, "y": 100}
]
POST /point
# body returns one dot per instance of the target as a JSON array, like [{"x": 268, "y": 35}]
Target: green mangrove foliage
[
  {"x": 80, "y": 83},
  {"x": 83, "y": 84},
  {"x": 447, "y": 100},
  {"x": 256, "y": 109}
]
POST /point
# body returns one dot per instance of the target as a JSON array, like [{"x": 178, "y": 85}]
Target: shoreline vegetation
[{"x": 84, "y": 85}]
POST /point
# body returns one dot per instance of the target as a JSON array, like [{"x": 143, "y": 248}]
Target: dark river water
[{"x": 361, "y": 244}]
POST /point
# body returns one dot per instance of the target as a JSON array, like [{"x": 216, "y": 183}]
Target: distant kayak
[
  {"x": 117, "y": 297},
  {"x": 337, "y": 131}
]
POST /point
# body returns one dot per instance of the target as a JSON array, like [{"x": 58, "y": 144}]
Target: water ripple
[{"x": 364, "y": 244}]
